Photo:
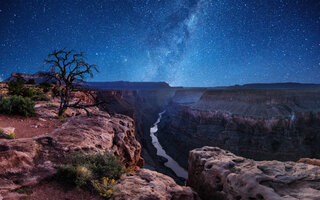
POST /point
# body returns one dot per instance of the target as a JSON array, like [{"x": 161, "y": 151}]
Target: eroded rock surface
[
  {"x": 151, "y": 185},
  {"x": 218, "y": 174},
  {"x": 27, "y": 161}
]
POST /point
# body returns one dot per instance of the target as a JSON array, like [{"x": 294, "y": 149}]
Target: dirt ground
[
  {"x": 29, "y": 127},
  {"x": 51, "y": 190}
]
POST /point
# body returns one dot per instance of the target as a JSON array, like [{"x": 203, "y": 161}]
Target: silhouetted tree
[{"x": 68, "y": 68}]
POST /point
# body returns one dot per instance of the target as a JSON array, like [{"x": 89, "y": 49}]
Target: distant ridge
[
  {"x": 288, "y": 85},
  {"x": 126, "y": 85}
]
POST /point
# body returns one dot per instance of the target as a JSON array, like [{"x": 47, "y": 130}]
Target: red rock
[
  {"x": 150, "y": 185},
  {"x": 27, "y": 161}
]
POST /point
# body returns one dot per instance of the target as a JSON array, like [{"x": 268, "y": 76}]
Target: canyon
[
  {"x": 239, "y": 142},
  {"x": 260, "y": 124},
  {"x": 265, "y": 122}
]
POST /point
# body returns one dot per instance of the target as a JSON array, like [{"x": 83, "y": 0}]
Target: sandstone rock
[
  {"x": 218, "y": 174},
  {"x": 309, "y": 161},
  {"x": 6, "y": 132},
  {"x": 27, "y": 161},
  {"x": 151, "y": 185}
]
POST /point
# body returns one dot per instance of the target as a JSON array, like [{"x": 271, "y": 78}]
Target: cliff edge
[{"x": 218, "y": 174}]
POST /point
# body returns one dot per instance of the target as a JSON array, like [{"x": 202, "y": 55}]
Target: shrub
[
  {"x": 50, "y": 105},
  {"x": 73, "y": 175},
  {"x": 17, "y": 105},
  {"x": 41, "y": 97},
  {"x": 84, "y": 169},
  {"x": 45, "y": 86},
  {"x": 27, "y": 92},
  {"x": 105, "y": 187},
  {"x": 102, "y": 165},
  {"x": 15, "y": 87}
]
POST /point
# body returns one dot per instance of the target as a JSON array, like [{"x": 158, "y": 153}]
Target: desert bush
[
  {"x": 17, "y": 105},
  {"x": 98, "y": 171},
  {"x": 77, "y": 176},
  {"x": 45, "y": 86},
  {"x": 40, "y": 97},
  {"x": 104, "y": 187},
  {"x": 51, "y": 105},
  {"x": 15, "y": 87},
  {"x": 102, "y": 165}
]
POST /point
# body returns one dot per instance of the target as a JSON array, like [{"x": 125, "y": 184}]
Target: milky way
[
  {"x": 182, "y": 42},
  {"x": 168, "y": 40}
]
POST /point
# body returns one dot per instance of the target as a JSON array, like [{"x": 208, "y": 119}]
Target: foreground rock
[
  {"x": 27, "y": 161},
  {"x": 218, "y": 174},
  {"x": 151, "y": 185}
]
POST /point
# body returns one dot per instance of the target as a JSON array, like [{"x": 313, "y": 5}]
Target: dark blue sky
[{"x": 182, "y": 42}]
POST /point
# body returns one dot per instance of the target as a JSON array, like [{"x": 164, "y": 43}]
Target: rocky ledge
[
  {"x": 27, "y": 161},
  {"x": 218, "y": 174},
  {"x": 151, "y": 185}
]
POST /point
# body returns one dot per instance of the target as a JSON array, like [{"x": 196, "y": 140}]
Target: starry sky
[{"x": 182, "y": 42}]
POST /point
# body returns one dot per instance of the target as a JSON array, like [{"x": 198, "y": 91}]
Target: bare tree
[{"x": 68, "y": 67}]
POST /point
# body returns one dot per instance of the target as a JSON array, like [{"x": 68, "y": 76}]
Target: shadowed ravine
[{"x": 172, "y": 164}]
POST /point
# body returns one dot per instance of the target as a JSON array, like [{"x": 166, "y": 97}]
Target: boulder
[
  {"x": 6, "y": 132},
  {"x": 151, "y": 185},
  {"x": 218, "y": 174}
]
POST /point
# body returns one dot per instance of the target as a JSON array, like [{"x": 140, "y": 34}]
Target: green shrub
[
  {"x": 17, "y": 105},
  {"x": 104, "y": 187},
  {"x": 51, "y": 105},
  {"x": 73, "y": 175},
  {"x": 15, "y": 87},
  {"x": 41, "y": 97},
  {"x": 102, "y": 165},
  {"x": 45, "y": 86},
  {"x": 89, "y": 169},
  {"x": 27, "y": 92}
]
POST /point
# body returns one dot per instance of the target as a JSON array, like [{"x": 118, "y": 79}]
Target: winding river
[{"x": 172, "y": 164}]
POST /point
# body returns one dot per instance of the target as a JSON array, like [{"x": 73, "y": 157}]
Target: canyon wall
[{"x": 258, "y": 124}]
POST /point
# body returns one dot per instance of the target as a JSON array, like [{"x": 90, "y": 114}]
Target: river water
[{"x": 172, "y": 164}]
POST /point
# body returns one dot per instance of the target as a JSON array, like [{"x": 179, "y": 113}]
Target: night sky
[{"x": 182, "y": 42}]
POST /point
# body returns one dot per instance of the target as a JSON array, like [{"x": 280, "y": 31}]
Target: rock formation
[
  {"x": 218, "y": 174},
  {"x": 151, "y": 185},
  {"x": 27, "y": 161}
]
